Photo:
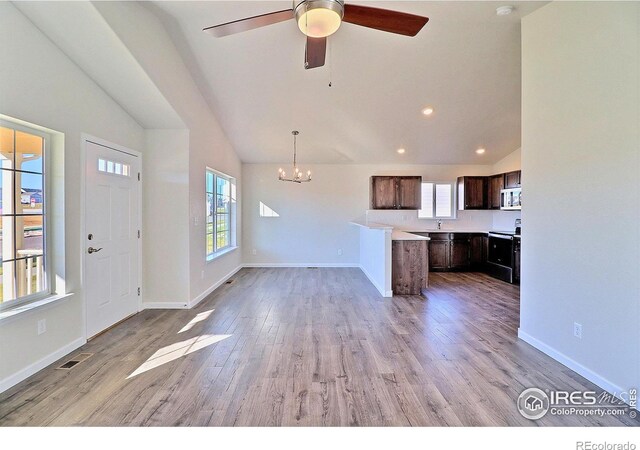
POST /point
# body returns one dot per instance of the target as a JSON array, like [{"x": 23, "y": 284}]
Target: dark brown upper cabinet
[
  {"x": 396, "y": 192},
  {"x": 472, "y": 193},
  {"x": 496, "y": 184},
  {"x": 512, "y": 179}
]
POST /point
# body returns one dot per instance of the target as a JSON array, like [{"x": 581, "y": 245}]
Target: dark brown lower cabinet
[
  {"x": 438, "y": 254},
  {"x": 456, "y": 251},
  {"x": 409, "y": 267},
  {"x": 460, "y": 253},
  {"x": 478, "y": 255}
]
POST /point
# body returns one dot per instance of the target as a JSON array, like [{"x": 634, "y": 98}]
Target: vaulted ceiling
[{"x": 465, "y": 64}]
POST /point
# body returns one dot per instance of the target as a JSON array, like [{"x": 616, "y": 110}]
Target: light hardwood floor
[{"x": 286, "y": 347}]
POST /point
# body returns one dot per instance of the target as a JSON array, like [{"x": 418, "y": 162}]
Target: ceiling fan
[{"x": 318, "y": 19}]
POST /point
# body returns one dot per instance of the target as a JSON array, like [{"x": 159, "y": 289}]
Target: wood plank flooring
[{"x": 307, "y": 347}]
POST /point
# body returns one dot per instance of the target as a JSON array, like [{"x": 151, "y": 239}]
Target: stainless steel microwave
[{"x": 511, "y": 199}]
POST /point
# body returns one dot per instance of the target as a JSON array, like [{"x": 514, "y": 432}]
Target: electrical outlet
[
  {"x": 404, "y": 218},
  {"x": 254, "y": 252},
  {"x": 577, "y": 330},
  {"x": 42, "y": 326},
  {"x": 202, "y": 275},
  {"x": 339, "y": 252},
  {"x": 195, "y": 221}
]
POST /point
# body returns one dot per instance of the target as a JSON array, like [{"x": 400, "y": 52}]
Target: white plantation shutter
[
  {"x": 427, "y": 201},
  {"x": 444, "y": 200}
]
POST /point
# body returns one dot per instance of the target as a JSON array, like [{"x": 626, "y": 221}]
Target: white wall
[
  {"x": 54, "y": 93},
  {"x": 375, "y": 257},
  {"x": 146, "y": 38},
  {"x": 313, "y": 223},
  {"x": 166, "y": 218},
  {"x": 511, "y": 162},
  {"x": 581, "y": 157}
]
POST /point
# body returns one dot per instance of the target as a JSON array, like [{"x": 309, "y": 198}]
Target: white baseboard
[
  {"x": 380, "y": 289},
  {"x": 213, "y": 287},
  {"x": 37, "y": 366},
  {"x": 267, "y": 265},
  {"x": 165, "y": 305},
  {"x": 563, "y": 359}
]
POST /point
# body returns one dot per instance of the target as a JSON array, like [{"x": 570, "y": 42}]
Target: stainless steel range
[{"x": 500, "y": 258}]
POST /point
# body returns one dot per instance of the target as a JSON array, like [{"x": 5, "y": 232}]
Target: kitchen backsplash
[{"x": 466, "y": 220}]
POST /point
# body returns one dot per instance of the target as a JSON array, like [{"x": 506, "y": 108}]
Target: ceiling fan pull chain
[{"x": 330, "y": 63}]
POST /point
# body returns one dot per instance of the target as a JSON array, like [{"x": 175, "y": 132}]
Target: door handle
[{"x": 94, "y": 250}]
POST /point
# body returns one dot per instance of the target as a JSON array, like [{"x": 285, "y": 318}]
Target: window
[
  {"x": 220, "y": 212},
  {"x": 437, "y": 201},
  {"x": 23, "y": 229},
  {"x": 114, "y": 168}
]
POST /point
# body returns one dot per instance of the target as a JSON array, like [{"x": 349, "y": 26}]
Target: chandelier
[{"x": 297, "y": 176}]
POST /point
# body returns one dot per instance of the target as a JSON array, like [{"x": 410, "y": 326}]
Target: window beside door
[
  {"x": 220, "y": 213},
  {"x": 23, "y": 230},
  {"x": 438, "y": 201}
]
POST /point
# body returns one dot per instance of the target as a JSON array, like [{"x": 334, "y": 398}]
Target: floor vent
[
  {"x": 75, "y": 361},
  {"x": 311, "y": 267}
]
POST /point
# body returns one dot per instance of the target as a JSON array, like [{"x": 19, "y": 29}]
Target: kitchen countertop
[
  {"x": 406, "y": 235},
  {"x": 371, "y": 225},
  {"x": 398, "y": 235},
  {"x": 446, "y": 231}
]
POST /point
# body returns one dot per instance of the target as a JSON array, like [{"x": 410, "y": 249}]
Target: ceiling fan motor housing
[{"x": 319, "y": 18}]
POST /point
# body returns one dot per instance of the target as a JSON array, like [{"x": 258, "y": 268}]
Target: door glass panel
[{"x": 29, "y": 149}]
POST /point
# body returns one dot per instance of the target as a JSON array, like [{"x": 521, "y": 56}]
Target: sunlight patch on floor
[
  {"x": 198, "y": 318},
  {"x": 177, "y": 350}
]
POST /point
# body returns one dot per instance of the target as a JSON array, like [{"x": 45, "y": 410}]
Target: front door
[{"x": 111, "y": 247}]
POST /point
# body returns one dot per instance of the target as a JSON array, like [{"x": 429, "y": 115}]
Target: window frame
[
  {"x": 434, "y": 206},
  {"x": 48, "y": 279},
  {"x": 217, "y": 251}
]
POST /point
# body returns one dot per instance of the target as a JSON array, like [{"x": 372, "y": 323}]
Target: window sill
[
  {"x": 220, "y": 253},
  {"x": 20, "y": 310}
]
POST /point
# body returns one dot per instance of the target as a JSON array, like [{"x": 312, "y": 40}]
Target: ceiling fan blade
[
  {"x": 238, "y": 26},
  {"x": 314, "y": 52},
  {"x": 384, "y": 19}
]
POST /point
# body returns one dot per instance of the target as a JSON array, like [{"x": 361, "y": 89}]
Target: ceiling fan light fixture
[{"x": 319, "y": 18}]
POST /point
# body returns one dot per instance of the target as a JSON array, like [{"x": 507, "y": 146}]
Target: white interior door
[{"x": 111, "y": 240}]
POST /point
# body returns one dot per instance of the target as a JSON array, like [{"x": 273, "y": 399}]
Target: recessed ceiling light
[
  {"x": 427, "y": 111},
  {"x": 480, "y": 151},
  {"x": 504, "y": 10},
  {"x": 400, "y": 150}
]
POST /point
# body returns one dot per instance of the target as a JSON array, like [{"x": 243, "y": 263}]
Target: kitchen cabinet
[
  {"x": 460, "y": 253},
  {"x": 409, "y": 266},
  {"x": 439, "y": 252},
  {"x": 478, "y": 255},
  {"x": 456, "y": 251},
  {"x": 496, "y": 184},
  {"x": 512, "y": 179},
  {"x": 472, "y": 193},
  {"x": 383, "y": 192},
  {"x": 396, "y": 192}
]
